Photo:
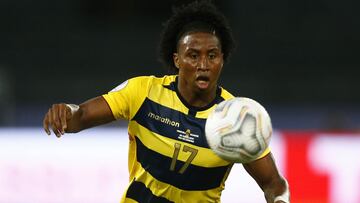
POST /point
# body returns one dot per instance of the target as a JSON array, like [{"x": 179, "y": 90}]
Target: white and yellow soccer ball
[{"x": 238, "y": 130}]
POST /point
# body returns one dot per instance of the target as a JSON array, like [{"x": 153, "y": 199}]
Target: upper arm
[{"x": 267, "y": 176}]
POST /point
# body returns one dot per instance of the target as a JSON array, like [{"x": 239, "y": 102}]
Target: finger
[
  {"x": 56, "y": 118},
  {"x": 55, "y": 130},
  {"x": 52, "y": 123},
  {"x": 46, "y": 123},
  {"x": 62, "y": 115},
  {"x": 59, "y": 133}
]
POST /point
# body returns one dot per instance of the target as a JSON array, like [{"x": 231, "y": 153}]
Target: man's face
[{"x": 199, "y": 60}]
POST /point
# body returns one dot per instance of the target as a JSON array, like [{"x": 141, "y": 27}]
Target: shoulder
[
  {"x": 225, "y": 94},
  {"x": 143, "y": 83},
  {"x": 137, "y": 82},
  {"x": 151, "y": 79}
]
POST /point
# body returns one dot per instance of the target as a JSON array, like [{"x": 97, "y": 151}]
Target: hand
[{"x": 57, "y": 118}]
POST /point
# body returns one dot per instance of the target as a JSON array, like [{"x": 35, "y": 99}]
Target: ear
[
  {"x": 222, "y": 60},
  {"x": 176, "y": 60}
]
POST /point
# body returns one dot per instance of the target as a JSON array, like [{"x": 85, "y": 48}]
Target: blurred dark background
[{"x": 300, "y": 59}]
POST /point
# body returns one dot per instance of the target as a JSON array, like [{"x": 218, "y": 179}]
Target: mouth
[
  {"x": 203, "y": 81},
  {"x": 202, "y": 78}
]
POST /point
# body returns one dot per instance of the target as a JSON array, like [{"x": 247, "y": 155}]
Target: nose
[{"x": 203, "y": 63}]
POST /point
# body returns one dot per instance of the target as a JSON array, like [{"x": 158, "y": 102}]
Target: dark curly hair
[{"x": 200, "y": 15}]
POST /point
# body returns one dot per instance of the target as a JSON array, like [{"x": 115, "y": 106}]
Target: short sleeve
[
  {"x": 267, "y": 151},
  {"x": 125, "y": 99}
]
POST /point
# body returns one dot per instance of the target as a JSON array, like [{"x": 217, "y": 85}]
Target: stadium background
[{"x": 299, "y": 59}]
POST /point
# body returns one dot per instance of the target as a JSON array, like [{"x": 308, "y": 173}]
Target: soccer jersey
[{"x": 169, "y": 158}]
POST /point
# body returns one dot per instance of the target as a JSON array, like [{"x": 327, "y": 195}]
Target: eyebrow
[{"x": 197, "y": 50}]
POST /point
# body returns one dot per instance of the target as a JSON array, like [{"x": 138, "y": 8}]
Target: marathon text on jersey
[{"x": 163, "y": 119}]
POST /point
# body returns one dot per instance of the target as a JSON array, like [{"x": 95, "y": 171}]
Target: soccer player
[{"x": 169, "y": 158}]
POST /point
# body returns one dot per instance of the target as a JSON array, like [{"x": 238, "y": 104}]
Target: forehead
[{"x": 199, "y": 40}]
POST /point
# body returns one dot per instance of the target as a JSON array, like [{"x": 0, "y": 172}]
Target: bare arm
[
  {"x": 267, "y": 176},
  {"x": 91, "y": 113}
]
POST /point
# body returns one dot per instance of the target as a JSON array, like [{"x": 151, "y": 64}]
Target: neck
[{"x": 196, "y": 98}]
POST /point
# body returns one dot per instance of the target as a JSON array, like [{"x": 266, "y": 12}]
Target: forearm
[
  {"x": 85, "y": 115},
  {"x": 71, "y": 118},
  {"x": 277, "y": 191},
  {"x": 265, "y": 173}
]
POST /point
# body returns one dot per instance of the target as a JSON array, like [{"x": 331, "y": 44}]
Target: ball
[{"x": 238, "y": 130}]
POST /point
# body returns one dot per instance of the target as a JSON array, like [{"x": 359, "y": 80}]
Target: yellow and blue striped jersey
[{"x": 169, "y": 158}]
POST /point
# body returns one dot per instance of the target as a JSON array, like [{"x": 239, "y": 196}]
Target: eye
[
  {"x": 212, "y": 55},
  {"x": 193, "y": 56}
]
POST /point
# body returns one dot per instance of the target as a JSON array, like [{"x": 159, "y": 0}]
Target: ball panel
[{"x": 238, "y": 130}]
